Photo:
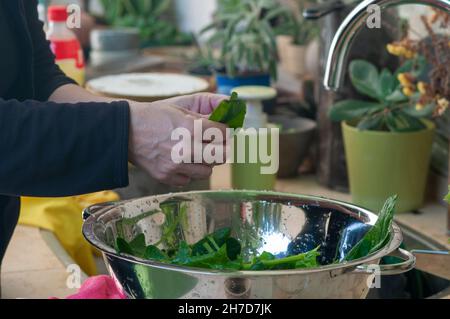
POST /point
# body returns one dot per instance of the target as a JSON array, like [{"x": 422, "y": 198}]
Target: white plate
[{"x": 148, "y": 85}]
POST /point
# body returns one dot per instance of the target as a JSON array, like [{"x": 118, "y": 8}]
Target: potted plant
[
  {"x": 243, "y": 31},
  {"x": 293, "y": 45},
  {"x": 388, "y": 137},
  {"x": 148, "y": 17}
]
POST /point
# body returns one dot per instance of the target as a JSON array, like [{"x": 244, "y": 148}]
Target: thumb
[{"x": 209, "y": 125}]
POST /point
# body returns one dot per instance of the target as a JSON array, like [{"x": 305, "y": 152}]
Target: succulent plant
[
  {"x": 145, "y": 15},
  {"x": 245, "y": 31},
  {"x": 418, "y": 89},
  {"x": 303, "y": 31},
  {"x": 391, "y": 107}
]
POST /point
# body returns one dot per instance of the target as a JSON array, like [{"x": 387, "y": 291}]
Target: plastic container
[
  {"x": 65, "y": 45},
  {"x": 225, "y": 84}
]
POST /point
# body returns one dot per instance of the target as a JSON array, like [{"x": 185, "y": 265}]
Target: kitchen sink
[{"x": 415, "y": 284}]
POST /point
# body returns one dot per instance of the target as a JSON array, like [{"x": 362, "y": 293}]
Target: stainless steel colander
[{"x": 283, "y": 224}]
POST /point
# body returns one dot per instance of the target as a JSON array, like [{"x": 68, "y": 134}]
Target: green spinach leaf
[
  {"x": 308, "y": 260},
  {"x": 377, "y": 237},
  {"x": 267, "y": 261},
  {"x": 217, "y": 251},
  {"x": 230, "y": 112},
  {"x": 183, "y": 255},
  {"x": 214, "y": 260},
  {"x": 219, "y": 237},
  {"x": 153, "y": 252},
  {"x": 122, "y": 247},
  {"x": 233, "y": 248},
  {"x": 138, "y": 245}
]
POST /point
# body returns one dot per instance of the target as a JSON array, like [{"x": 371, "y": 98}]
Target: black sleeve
[
  {"x": 49, "y": 149},
  {"x": 47, "y": 75}
]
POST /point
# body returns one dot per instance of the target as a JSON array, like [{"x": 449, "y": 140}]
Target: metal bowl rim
[{"x": 394, "y": 243}]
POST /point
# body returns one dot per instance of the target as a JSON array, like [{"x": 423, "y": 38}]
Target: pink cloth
[{"x": 100, "y": 287}]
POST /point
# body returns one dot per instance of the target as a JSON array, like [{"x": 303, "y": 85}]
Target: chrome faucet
[{"x": 334, "y": 73}]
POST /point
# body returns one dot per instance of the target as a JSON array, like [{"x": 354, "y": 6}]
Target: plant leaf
[
  {"x": 448, "y": 196},
  {"x": 411, "y": 123},
  {"x": 351, "y": 109},
  {"x": 370, "y": 123},
  {"x": 230, "y": 112},
  {"x": 266, "y": 256},
  {"x": 214, "y": 260},
  {"x": 183, "y": 255},
  {"x": 416, "y": 67},
  {"x": 138, "y": 245},
  {"x": 387, "y": 83},
  {"x": 257, "y": 266},
  {"x": 391, "y": 122},
  {"x": 268, "y": 261},
  {"x": 122, "y": 247},
  {"x": 365, "y": 78},
  {"x": 219, "y": 237},
  {"x": 161, "y": 7},
  {"x": 427, "y": 111},
  {"x": 309, "y": 260},
  {"x": 233, "y": 248},
  {"x": 396, "y": 97},
  {"x": 153, "y": 252},
  {"x": 399, "y": 121},
  {"x": 378, "y": 235}
]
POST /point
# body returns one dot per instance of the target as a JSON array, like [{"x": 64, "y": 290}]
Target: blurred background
[{"x": 134, "y": 48}]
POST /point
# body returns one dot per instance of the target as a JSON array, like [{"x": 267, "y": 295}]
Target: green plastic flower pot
[{"x": 381, "y": 164}]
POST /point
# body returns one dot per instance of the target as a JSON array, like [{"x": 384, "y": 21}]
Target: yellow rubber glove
[{"x": 62, "y": 216}]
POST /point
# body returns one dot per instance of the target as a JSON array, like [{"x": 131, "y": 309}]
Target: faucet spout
[{"x": 334, "y": 73}]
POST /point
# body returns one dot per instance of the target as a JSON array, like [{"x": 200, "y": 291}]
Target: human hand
[
  {"x": 151, "y": 127},
  {"x": 201, "y": 103}
]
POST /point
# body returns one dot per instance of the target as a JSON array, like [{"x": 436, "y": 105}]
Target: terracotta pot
[
  {"x": 292, "y": 57},
  {"x": 296, "y": 58},
  {"x": 283, "y": 42}
]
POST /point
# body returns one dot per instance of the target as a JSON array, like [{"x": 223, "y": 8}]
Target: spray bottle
[{"x": 65, "y": 45}]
